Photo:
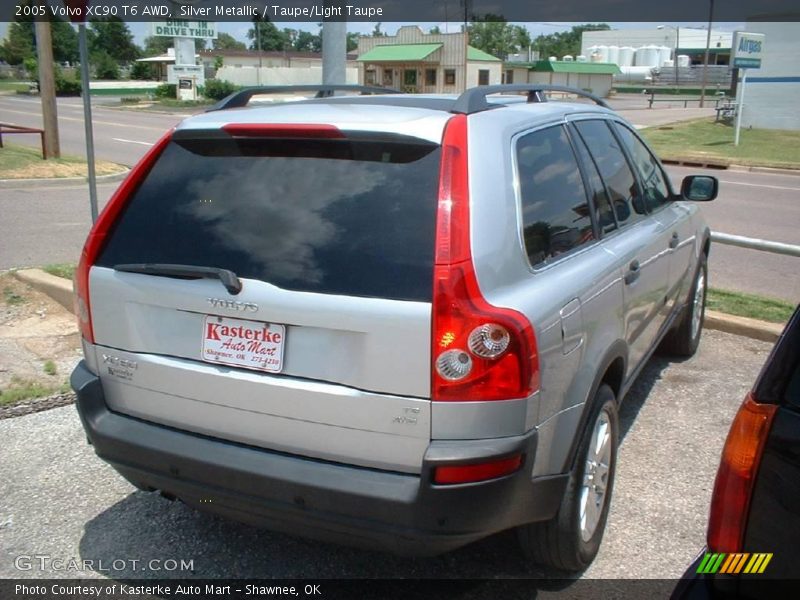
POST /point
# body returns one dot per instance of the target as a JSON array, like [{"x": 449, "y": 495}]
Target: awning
[{"x": 399, "y": 53}]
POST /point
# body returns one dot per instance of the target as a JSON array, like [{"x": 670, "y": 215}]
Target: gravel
[{"x": 58, "y": 499}]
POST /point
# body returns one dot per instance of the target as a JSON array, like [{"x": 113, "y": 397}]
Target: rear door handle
[
  {"x": 633, "y": 272},
  {"x": 673, "y": 243}
]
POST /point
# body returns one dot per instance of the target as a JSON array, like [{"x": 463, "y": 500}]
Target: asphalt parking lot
[{"x": 58, "y": 500}]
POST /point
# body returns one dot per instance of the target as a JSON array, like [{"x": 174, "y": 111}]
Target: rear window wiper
[{"x": 228, "y": 278}]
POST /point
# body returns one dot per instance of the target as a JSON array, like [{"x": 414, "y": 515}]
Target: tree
[
  {"x": 435, "y": 30},
  {"x": 376, "y": 32},
  {"x": 142, "y": 71},
  {"x": 225, "y": 41},
  {"x": 271, "y": 37},
  {"x": 565, "y": 42},
  {"x": 495, "y": 36},
  {"x": 112, "y": 36},
  {"x": 308, "y": 42},
  {"x": 20, "y": 42},
  {"x": 352, "y": 41},
  {"x": 156, "y": 45}
]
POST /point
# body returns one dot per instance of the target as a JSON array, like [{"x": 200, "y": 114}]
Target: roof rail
[
  {"x": 242, "y": 97},
  {"x": 474, "y": 99}
]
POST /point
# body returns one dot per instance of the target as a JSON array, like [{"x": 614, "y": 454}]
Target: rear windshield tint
[{"x": 354, "y": 218}]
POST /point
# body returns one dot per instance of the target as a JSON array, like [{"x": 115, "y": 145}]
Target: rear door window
[
  {"x": 614, "y": 169},
  {"x": 555, "y": 210},
  {"x": 344, "y": 217}
]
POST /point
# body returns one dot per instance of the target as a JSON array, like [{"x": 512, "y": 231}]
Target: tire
[
  {"x": 570, "y": 540},
  {"x": 684, "y": 338}
]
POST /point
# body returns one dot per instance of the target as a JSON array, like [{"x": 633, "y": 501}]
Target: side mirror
[{"x": 699, "y": 188}]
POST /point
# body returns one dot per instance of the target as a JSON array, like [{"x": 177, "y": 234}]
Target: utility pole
[
  {"x": 705, "y": 60},
  {"x": 47, "y": 89},
  {"x": 334, "y": 49}
]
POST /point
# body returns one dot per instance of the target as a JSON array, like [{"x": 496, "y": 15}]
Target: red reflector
[
  {"x": 737, "y": 472},
  {"x": 283, "y": 130},
  {"x": 479, "y": 472}
]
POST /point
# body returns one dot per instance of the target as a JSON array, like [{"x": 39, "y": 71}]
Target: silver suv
[{"x": 401, "y": 321}]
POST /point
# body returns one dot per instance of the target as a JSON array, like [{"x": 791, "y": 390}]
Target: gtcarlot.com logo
[
  {"x": 734, "y": 564},
  {"x": 47, "y": 562}
]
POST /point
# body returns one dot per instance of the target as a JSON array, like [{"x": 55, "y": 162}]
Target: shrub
[
  {"x": 141, "y": 71},
  {"x": 105, "y": 67},
  {"x": 67, "y": 86},
  {"x": 217, "y": 89},
  {"x": 166, "y": 90}
]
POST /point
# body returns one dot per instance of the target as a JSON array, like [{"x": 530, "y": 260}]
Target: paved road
[
  {"x": 58, "y": 499},
  {"x": 121, "y": 136},
  {"x": 47, "y": 226}
]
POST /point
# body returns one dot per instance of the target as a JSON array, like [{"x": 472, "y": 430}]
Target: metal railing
[
  {"x": 755, "y": 244},
  {"x": 7, "y": 128}
]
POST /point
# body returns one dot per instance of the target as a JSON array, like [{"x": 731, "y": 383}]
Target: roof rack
[
  {"x": 242, "y": 97},
  {"x": 474, "y": 99}
]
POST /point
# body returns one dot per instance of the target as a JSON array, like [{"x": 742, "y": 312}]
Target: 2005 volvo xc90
[{"x": 392, "y": 320}]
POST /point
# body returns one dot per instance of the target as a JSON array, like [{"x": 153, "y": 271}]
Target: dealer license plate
[{"x": 242, "y": 343}]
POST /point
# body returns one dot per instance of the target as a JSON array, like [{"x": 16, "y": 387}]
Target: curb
[
  {"x": 721, "y": 166},
  {"x": 58, "y": 288},
  {"x": 751, "y": 328},
  {"x": 6, "y": 184}
]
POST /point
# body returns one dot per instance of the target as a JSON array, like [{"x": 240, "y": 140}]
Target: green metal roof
[
  {"x": 590, "y": 68},
  {"x": 475, "y": 54},
  {"x": 399, "y": 52}
]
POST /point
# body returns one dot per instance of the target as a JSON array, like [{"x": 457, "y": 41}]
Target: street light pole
[{"x": 705, "y": 59}]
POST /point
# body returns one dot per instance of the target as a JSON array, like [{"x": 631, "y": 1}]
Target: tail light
[
  {"x": 479, "y": 351},
  {"x": 737, "y": 472},
  {"x": 97, "y": 236},
  {"x": 280, "y": 130}
]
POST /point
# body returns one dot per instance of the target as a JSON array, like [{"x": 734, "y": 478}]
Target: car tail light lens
[
  {"x": 737, "y": 472},
  {"x": 477, "y": 472},
  {"x": 283, "y": 130},
  {"x": 479, "y": 351},
  {"x": 99, "y": 232}
]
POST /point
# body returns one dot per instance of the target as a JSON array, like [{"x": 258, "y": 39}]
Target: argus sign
[{"x": 747, "y": 49}]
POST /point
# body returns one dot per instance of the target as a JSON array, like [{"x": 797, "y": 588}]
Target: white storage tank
[
  {"x": 626, "y": 56},
  {"x": 634, "y": 75},
  {"x": 552, "y": 58},
  {"x": 664, "y": 54},
  {"x": 646, "y": 56},
  {"x": 613, "y": 55},
  {"x": 568, "y": 58},
  {"x": 602, "y": 50},
  {"x": 669, "y": 64},
  {"x": 596, "y": 57},
  {"x": 683, "y": 60},
  {"x": 580, "y": 58}
]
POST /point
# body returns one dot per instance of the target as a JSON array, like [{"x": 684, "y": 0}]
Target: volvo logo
[{"x": 233, "y": 305}]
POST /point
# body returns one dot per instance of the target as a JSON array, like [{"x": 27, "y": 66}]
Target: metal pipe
[
  {"x": 87, "y": 120},
  {"x": 755, "y": 244}
]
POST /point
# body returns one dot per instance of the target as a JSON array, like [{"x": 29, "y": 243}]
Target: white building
[{"x": 772, "y": 93}]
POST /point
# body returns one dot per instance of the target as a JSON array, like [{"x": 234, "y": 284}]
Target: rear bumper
[{"x": 402, "y": 513}]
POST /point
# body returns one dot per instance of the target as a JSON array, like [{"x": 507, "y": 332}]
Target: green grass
[
  {"x": 50, "y": 367},
  {"x": 65, "y": 270},
  {"x": 11, "y": 298},
  {"x": 21, "y": 390},
  {"x": 25, "y": 162},
  {"x": 749, "y": 305},
  {"x": 13, "y": 86},
  {"x": 705, "y": 140}
]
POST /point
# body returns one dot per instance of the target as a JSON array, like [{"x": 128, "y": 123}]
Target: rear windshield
[{"x": 346, "y": 217}]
